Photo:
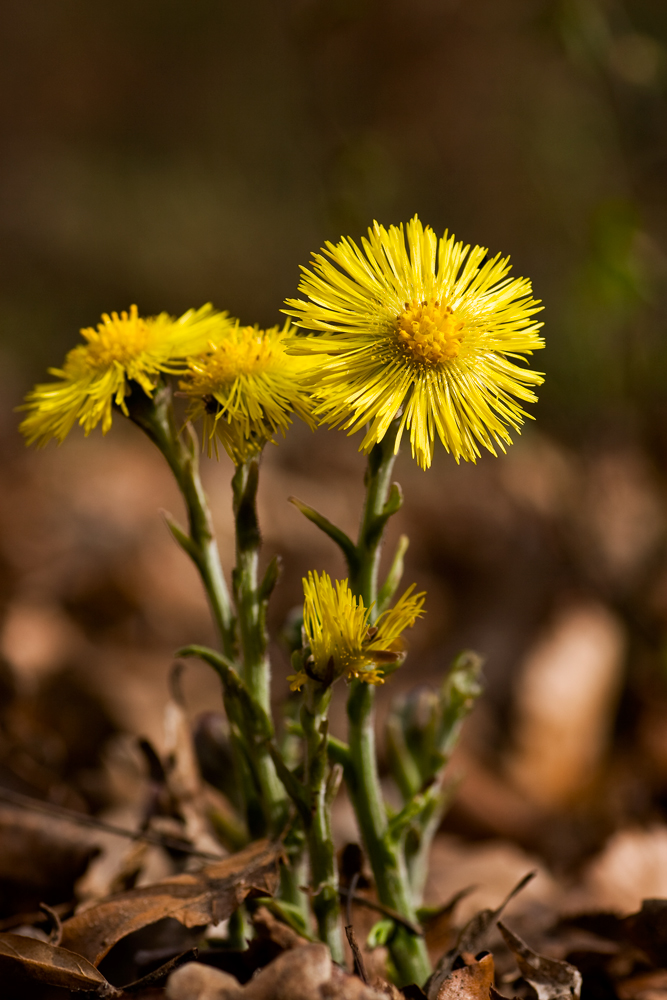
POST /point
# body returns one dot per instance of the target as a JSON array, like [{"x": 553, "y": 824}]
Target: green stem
[
  {"x": 385, "y": 852},
  {"x": 156, "y": 418},
  {"x": 374, "y": 517},
  {"x": 251, "y": 609},
  {"x": 324, "y": 877},
  {"x": 251, "y": 600}
]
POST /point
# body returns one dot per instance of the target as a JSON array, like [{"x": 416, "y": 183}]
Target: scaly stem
[
  {"x": 373, "y": 520},
  {"x": 156, "y": 418},
  {"x": 385, "y": 852},
  {"x": 323, "y": 874},
  {"x": 250, "y": 608},
  {"x": 251, "y": 600}
]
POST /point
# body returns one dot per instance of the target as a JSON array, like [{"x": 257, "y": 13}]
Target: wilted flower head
[
  {"x": 342, "y": 641},
  {"x": 245, "y": 387},
  {"x": 430, "y": 332},
  {"x": 94, "y": 376}
]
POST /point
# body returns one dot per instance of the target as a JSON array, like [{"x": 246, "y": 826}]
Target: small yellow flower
[
  {"x": 245, "y": 387},
  {"x": 429, "y": 332},
  {"x": 95, "y": 374},
  {"x": 342, "y": 641}
]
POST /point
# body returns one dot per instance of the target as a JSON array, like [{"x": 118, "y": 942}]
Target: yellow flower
[
  {"x": 245, "y": 387},
  {"x": 95, "y": 374},
  {"x": 429, "y": 332},
  {"x": 342, "y": 641}
]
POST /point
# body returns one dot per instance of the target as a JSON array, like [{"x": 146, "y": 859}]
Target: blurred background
[{"x": 172, "y": 153}]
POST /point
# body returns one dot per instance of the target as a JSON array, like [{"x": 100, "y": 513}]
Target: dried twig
[
  {"x": 384, "y": 910},
  {"x": 359, "y": 966}
]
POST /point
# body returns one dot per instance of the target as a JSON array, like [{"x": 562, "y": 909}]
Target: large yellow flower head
[
  {"x": 430, "y": 331},
  {"x": 94, "y": 376},
  {"x": 342, "y": 641},
  {"x": 245, "y": 387}
]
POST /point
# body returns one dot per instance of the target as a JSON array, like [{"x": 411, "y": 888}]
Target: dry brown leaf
[
  {"x": 49, "y": 964},
  {"x": 194, "y": 899},
  {"x": 438, "y": 925},
  {"x": 471, "y": 940},
  {"x": 473, "y": 982},
  {"x": 549, "y": 977}
]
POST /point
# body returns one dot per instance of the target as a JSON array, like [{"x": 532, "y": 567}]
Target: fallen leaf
[
  {"x": 194, "y": 899},
  {"x": 47, "y": 963},
  {"x": 437, "y": 923},
  {"x": 549, "y": 977},
  {"x": 471, "y": 940},
  {"x": 472, "y": 982}
]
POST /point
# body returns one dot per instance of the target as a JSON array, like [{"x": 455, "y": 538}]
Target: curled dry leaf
[
  {"x": 438, "y": 923},
  {"x": 471, "y": 940},
  {"x": 473, "y": 937},
  {"x": 472, "y": 982},
  {"x": 549, "y": 977},
  {"x": 194, "y": 899},
  {"x": 49, "y": 964}
]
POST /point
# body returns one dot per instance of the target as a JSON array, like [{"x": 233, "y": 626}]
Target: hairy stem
[
  {"x": 156, "y": 418},
  {"x": 251, "y": 600},
  {"x": 373, "y": 520},
  {"x": 408, "y": 951},
  {"x": 324, "y": 877}
]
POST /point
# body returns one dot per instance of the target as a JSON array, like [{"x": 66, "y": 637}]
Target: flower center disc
[
  {"x": 119, "y": 338},
  {"x": 429, "y": 332}
]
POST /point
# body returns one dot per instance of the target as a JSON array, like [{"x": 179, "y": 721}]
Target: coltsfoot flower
[
  {"x": 430, "y": 332},
  {"x": 94, "y": 375},
  {"x": 342, "y": 641},
  {"x": 245, "y": 388}
]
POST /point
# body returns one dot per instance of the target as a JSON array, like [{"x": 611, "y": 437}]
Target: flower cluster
[
  {"x": 407, "y": 326},
  {"x": 341, "y": 640}
]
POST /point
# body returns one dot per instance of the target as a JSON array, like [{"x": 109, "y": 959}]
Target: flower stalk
[
  {"x": 385, "y": 849},
  {"x": 322, "y": 784},
  {"x": 155, "y": 416},
  {"x": 251, "y": 598}
]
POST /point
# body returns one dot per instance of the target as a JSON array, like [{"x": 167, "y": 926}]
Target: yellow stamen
[
  {"x": 429, "y": 332},
  {"x": 117, "y": 339},
  {"x": 245, "y": 351}
]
